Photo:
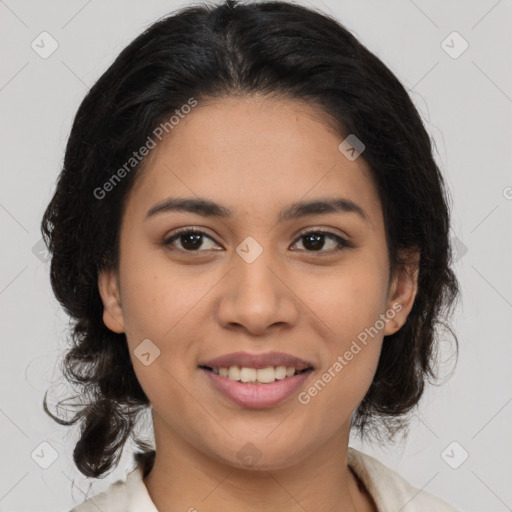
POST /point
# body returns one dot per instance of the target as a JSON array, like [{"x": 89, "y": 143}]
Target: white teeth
[
  {"x": 234, "y": 373},
  {"x": 262, "y": 375},
  {"x": 248, "y": 374},
  {"x": 266, "y": 375},
  {"x": 280, "y": 372}
]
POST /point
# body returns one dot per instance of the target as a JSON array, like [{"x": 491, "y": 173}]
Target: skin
[{"x": 254, "y": 155}]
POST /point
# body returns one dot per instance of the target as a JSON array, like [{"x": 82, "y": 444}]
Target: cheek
[
  {"x": 352, "y": 346},
  {"x": 158, "y": 306},
  {"x": 164, "y": 304},
  {"x": 157, "y": 295},
  {"x": 349, "y": 298},
  {"x": 349, "y": 303}
]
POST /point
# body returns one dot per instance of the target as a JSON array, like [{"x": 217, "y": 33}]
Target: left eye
[
  {"x": 316, "y": 241},
  {"x": 192, "y": 239}
]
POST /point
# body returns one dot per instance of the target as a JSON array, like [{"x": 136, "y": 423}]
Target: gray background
[{"x": 466, "y": 103}]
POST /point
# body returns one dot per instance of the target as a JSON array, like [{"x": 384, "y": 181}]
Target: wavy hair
[{"x": 272, "y": 48}]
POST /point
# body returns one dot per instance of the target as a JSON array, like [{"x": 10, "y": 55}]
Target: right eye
[{"x": 190, "y": 239}]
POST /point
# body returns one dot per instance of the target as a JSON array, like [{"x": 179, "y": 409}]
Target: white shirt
[{"x": 389, "y": 490}]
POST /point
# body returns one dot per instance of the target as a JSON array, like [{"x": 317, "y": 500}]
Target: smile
[
  {"x": 257, "y": 375},
  {"x": 249, "y": 391}
]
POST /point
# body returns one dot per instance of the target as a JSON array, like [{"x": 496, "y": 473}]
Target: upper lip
[{"x": 258, "y": 361}]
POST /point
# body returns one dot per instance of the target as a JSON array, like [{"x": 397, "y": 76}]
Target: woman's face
[{"x": 253, "y": 283}]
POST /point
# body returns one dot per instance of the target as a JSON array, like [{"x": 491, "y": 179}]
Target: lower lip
[{"x": 257, "y": 395}]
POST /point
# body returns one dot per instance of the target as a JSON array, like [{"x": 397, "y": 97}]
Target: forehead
[{"x": 253, "y": 154}]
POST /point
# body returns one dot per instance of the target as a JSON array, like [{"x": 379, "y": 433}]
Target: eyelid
[{"x": 326, "y": 231}]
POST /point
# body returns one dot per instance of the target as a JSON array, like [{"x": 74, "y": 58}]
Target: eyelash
[{"x": 342, "y": 242}]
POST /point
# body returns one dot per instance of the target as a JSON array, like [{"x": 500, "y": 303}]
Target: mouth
[
  {"x": 256, "y": 376},
  {"x": 256, "y": 388}
]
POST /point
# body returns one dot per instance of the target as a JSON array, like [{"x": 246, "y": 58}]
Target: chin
[{"x": 260, "y": 454}]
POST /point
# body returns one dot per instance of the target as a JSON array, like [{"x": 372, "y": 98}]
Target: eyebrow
[{"x": 207, "y": 208}]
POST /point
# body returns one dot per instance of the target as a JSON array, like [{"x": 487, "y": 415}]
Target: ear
[
  {"x": 402, "y": 291},
  {"x": 108, "y": 287}
]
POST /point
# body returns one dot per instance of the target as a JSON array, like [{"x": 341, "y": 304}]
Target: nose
[{"x": 257, "y": 297}]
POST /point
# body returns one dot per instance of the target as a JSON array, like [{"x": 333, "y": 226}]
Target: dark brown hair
[{"x": 204, "y": 51}]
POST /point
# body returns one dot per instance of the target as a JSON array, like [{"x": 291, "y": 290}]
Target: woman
[{"x": 252, "y": 237}]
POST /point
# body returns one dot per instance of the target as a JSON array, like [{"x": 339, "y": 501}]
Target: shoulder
[
  {"x": 125, "y": 495},
  {"x": 390, "y": 490}
]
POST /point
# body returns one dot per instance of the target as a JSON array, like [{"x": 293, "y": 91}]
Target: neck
[{"x": 185, "y": 478}]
